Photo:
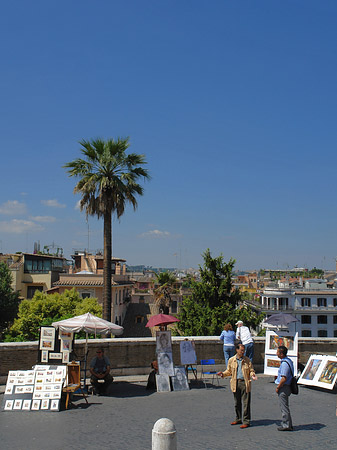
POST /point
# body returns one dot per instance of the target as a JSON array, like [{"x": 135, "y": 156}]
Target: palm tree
[
  {"x": 108, "y": 181},
  {"x": 163, "y": 292}
]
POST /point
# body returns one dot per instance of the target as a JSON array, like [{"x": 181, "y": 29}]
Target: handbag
[{"x": 293, "y": 383}]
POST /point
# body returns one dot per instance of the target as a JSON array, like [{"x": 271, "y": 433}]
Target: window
[
  {"x": 31, "y": 290},
  {"x": 335, "y": 302},
  {"x": 174, "y": 306},
  {"x": 334, "y": 333},
  {"x": 322, "y": 319},
  {"x": 305, "y": 319},
  {"x": 139, "y": 319},
  {"x": 141, "y": 299},
  {"x": 306, "y": 333},
  {"x": 85, "y": 295},
  {"x": 306, "y": 302},
  {"x": 334, "y": 319},
  {"x": 322, "y": 333},
  {"x": 283, "y": 303},
  {"x": 321, "y": 302},
  {"x": 37, "y": 265}
]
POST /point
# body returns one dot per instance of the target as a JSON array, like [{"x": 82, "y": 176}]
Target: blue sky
[{"x": 232, "y": 102}]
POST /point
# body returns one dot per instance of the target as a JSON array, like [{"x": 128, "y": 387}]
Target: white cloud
[
  {"x": 53, "y": 203},
  {"x": 44, "y": 219},
  {"x": 13, "y": 208},
  {"x": 18, "y": 226},
  {"x": 155, "y": 234},
  {"x": 77, "y": 206}
]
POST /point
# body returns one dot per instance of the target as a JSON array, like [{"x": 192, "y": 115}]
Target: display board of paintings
[
  {"x": 273, "y": 341},
  {"x": 273, "y": 362},
  {"x": 32, "y": 390},
  {"x": 163, "y": 342},
  {"x": 163, "y": 383},
  {"x": 55, "y": 346},
  {"x": 320, "y": 371}
]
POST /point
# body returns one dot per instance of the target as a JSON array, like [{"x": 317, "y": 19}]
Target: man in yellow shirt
[{"x": 242, "y": 371}]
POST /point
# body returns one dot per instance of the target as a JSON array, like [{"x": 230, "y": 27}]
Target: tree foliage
[
  {"x": 9, "y": 299},
  {"x": 108, "y": 181},
  {"x": 43, "y": 309},
  {"x": 213, "y": 301}
]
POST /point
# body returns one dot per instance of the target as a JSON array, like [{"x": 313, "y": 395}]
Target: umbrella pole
[{"x": 85, "y": 360}]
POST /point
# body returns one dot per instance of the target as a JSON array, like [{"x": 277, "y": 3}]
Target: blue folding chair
[{"x": 206, "y": 373}]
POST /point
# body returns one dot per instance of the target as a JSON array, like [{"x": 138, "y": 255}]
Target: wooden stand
[{"x": 74, "y": 381}]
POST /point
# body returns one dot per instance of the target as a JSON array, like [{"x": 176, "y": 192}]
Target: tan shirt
[{"x": 247, "y": 370}]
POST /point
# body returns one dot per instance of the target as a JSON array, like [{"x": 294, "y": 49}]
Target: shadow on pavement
[
  {"x": 310, "y": 426},
  {"x": 123, "y": 389},
  {"x": 264, "y": 422}
]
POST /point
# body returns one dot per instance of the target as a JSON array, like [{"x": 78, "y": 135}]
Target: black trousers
[{"x": 241, "y": 396}]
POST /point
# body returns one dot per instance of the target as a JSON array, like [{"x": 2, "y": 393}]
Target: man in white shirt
[{"x": 243, "y": 334}]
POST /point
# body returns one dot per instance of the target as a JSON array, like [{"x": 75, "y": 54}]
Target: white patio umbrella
[{"x": 90, "y": 324}]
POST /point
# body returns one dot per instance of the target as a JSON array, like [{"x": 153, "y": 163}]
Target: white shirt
[{"x": 244, "y": 335}]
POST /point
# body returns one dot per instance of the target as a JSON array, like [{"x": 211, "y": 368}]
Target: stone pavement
[{"x": 124, "y": 420}]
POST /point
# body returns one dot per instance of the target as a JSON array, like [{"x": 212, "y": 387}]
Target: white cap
[{"x": 238, "y": 322}]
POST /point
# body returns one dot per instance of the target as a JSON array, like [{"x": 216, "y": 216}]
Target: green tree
[
  {"x": 213, "y": 301},
  {"x": 108, "y": 181},
  {"x": 9, "y": 299},
  {"x": 162, "y": 293},
  {"x": 44, "y": 309}
]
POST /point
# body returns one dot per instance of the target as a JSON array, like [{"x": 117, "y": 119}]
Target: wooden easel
[{"x": 74, "y": 381}]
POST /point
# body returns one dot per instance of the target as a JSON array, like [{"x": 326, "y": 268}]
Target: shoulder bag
[{"x": 293, "y": 383}]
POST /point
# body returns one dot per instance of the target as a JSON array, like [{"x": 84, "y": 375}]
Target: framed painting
[
  {"x": 163, "y": 383},
  {"x": 310, "y": 373},
  {"x": 44, "y": 356},
  {"x": 327, "y": 375},
  {"x": 17, "y": 404},
  {"x": 9, "y": 405},
  {"x": 45, "y": 404},
  {"x": 65, "y": 335},
  {"x": 187, "y": 352},
  {"x": 46, "y": 344},
  {"x": 165, "y": 364},
  {"x": 273, "y": 362},
  {"x": 48, "y": 333},
  {"x": 65, "y": 357},
  {"x": 274, "y": 340},
  {"x": 26, "y": 405},
  {"x": 54, "y": 405},
  {"x": 179, "y": 381},
  {"x": 65, "y": 345},
  {"x": 163, "y": 342},
  {"x": 36, "y": 405}
]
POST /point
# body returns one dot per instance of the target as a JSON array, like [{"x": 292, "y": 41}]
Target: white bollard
[{"x": 164, "y": 435}]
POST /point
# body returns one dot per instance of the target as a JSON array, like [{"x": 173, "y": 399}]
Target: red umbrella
[{"x": 161, "y": 319}]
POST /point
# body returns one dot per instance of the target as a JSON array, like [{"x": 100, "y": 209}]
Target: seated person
[
  {"x": 151, "y": 381},
  {"x": 100, "y": 373}
]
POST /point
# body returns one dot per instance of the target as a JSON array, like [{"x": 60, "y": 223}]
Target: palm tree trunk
[{"x": 107, "y": 268}]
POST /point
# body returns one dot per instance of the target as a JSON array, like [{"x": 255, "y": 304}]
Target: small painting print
[
  {"x": 12, "y": 373},
  {"x": 44, "y": 356},
  {"x": 54, "y": 405},
  {"x": 17, "y": 404},
  {"x": 28, "y": 389},
  {"x": 48, "y": 333},
  {"x": 36, "y": 405},
  {"x": 55, "y": 355},
  {"x": 65, "y": 357},
  {"x": 11, "y": 380},
  {"x": 26, "y": 405},
  {"x": 65, "y": 335},
  {"x": 37, "y": 395},
  {"x": 19, "y": 389},
  {"x": 45, "y": 404},
  {"x": 49, "y": 379},
  {"x": 65, "y": 345},
  {"x": 163, "y": 383},
  {"x": 312, "y": 368},
  {"x": 20, "y": 381},
  {"x": 273, "y": 362},
  {"x": 47, "y": 344},
  {"x": 9, "y": 405},
  {"x": 46, "y": 395},
  {"x": 9, "y": 389},
  {"x": 30, "y": 380}
]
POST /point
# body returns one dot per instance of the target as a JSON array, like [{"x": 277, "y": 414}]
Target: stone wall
[{"x": 130, "y": 356}]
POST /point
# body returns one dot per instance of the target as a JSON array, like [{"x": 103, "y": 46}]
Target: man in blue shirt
[
  {"x": 100, "y": 372},
  {"x": 283, "y": 380}
]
